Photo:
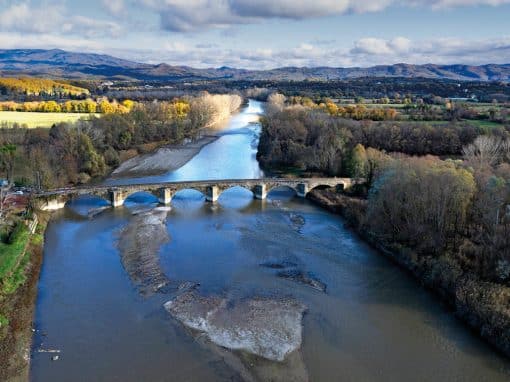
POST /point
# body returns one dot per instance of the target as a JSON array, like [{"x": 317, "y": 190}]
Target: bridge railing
[{"x": 219, "y": 182}]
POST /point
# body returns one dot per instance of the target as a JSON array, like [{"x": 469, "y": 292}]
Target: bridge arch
[
  {"x": 142, "y": 197},
  {"x": 211, "y": 189},
  {"x": 276, "y": 187},
  {"x": 323, "y": 186},
  {"x": 87, "y": 198},
  {"x": 236, "y": 196},
  {"x": 195, "y": 190}
]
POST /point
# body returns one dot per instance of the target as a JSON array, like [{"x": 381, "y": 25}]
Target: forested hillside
[{"x": 38, "y": 87}]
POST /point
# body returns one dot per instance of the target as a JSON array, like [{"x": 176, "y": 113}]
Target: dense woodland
[
  {"x": 441, "y": 190},
  {"x": 366, "y": 87},
  {"x": 384, "y": 87},
  {"x": 31, "y": 86},
  {"x": 75, "y": 153},
  {"x": 313, "y": 140}
]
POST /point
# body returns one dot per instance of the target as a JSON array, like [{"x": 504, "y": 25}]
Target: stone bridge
[{"x": 116, "y": 195}]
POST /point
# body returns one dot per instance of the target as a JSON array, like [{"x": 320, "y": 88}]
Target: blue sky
[{"x": 266, "y": 33}]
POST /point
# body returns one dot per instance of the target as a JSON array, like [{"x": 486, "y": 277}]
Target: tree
[
  {"x": 106, "y": 107},
  {"x": 90, "y": 161},
  {"x": 358, "y": 162},
  {"x": 276, "y": 102},
  {"x": 51, "y": 107},
  {"x": 89, "y": 106},
  {"x": 7, "y": 156},
  {"x": 422, "y": 203},
  {"x": 486, "y": 151},
  {"x": 128, "y": 104}
]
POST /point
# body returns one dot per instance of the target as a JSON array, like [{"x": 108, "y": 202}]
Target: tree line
[
  {"x": 74, "y": 153},
  {"x": 39, "y": 87},
  {"x": 101, "y": 105},
  {"x": 313, "y": 140}
]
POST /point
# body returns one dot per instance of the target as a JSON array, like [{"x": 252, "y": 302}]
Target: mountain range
[{"x": 63, "y": 64}]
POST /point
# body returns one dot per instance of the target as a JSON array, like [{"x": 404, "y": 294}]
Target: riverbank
[
  {"x": 482, "y": 305},
  {"x": 17, "y": 301},
  {"x": 163, "y": 160}
]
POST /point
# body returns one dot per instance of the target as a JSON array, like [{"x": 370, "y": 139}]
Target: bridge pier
[
  {"x": 117, "y": 197},
  {"x": 302, "y": 190},
  {"x": 260, "y": 191},
  {"x": 212, "y": 193},
  {"x": 55, "y": 199},
  {"x": 165, "y": 195},
  {"x": 52, "y": 204}
]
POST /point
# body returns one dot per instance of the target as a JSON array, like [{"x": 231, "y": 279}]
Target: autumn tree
[{"x": 422, "y": 203}]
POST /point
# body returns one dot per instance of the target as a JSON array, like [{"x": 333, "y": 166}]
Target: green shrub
[{"x": 16, "y": 233}]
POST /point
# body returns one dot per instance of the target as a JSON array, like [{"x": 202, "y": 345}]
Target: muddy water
[{"x": 372, "y": 323}]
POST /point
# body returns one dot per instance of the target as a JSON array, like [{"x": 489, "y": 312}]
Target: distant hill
[{"x": 62, "y": 64}]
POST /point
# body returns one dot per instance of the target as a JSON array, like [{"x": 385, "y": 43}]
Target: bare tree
[
  {"x": 276, "y": 102},
  {"x": 487, "y": 151}
]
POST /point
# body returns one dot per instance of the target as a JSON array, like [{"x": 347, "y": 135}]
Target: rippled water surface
[{"x": 103, "y": 307}]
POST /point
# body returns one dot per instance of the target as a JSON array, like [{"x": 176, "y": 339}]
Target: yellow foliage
[
  {"x": 128, "y": 104},
  {"x": 179, "y": 109},
  {"x": 106, "y": 107},
  {"x": 37, "y": 86}
]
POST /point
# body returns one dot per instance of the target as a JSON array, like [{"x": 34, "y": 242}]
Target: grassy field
[
  {"x": 32, "y": 120},
  {"x": 485, "y": 125},
  {"x": 10, "y": 253}
]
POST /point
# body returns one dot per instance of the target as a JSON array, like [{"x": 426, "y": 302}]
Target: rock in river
[
  {"x": 302, "y": 277},
  {"x": 139, "y": 245},
  {"x": 267, "y": 327}
]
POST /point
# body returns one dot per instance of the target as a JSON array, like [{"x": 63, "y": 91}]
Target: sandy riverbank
[{"x": 163, "y": 160}]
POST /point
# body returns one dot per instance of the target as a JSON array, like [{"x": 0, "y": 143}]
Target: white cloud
[
  {"x": 91, "y": 28},
  {"x": 25, "y": 17},
  {"x": 439, "y": 51},
  {"x": 53, "y": 18},
  {"x": 377, "y": 46},
  {"x": 115, "y": 7},
  {"x": 190, "y": 15},
  {"x": 56, "y": 24},
  {"x": 10, "y": 40},
  {"x": 438, "y": 4},
  {"x": 365, "y": 52}
]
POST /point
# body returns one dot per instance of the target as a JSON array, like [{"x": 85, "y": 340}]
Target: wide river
[{"x": 373, "y": 322}]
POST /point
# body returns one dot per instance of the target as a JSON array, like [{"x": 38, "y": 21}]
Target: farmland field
[{"x": 33, "y": 119}]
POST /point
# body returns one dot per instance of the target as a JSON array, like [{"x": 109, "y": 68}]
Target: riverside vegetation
[
  {"x": 73, "y": 153},
  {"x": 446, "y": 219},
  {"x": 21, "y": 248}
]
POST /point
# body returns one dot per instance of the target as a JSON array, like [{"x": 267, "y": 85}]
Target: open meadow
[{"x": 34, "y": 119}]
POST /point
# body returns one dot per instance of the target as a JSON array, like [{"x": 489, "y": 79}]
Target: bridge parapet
[{"x": 212, "y": 189}]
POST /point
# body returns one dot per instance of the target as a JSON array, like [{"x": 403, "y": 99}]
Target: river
[{"x": 372, "y": 323}]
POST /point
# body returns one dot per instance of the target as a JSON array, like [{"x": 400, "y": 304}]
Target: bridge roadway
[{"x": 116, "y": 195}]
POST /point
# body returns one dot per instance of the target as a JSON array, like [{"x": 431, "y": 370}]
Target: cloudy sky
[{"x": 265, "y": 33}]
